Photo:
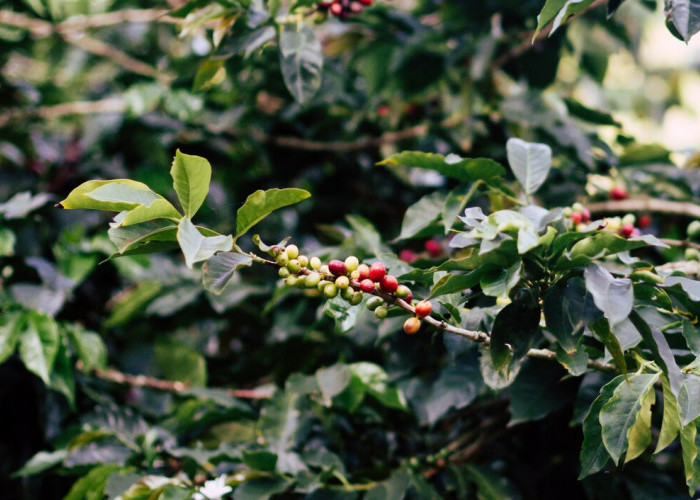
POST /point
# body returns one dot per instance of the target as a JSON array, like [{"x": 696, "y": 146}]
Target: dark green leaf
[
  {"x": 537, "y": 391},
  {"x": 601, "y": 328},
  {"x": 92, "y": 485},
  {"x": 260, "y": 460},
  {"x": 514, "y": 329},
  {"x": 463, "y": 169},
  {"x": 39, "y": 344},
  {"x": 220, "y": 268}
]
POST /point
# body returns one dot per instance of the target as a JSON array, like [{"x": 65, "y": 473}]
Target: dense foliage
[{"x": 202, "y": 320}]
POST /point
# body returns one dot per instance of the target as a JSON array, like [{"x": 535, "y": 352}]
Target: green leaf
[
  {"x": 88, "y": 345},
  {"x": 594, "y": 456},
  {"x": 260, "y": 204},
  {"x": 196, "y": 247},
  {"x": 40, "y": 462},
  {"x": 463, "y": 169},
  {"x": 10, "y": 331},
  {"x": 22, "y": 204},
  {"x": 220, "y": 268},
  {"x": 333, "y": 381},
  {"x": 39, "y": 344},
  {"x": 547, "y": 14},
  {"x": 209, "y": 74},
  {"x": 180, "y": 362},
  {"x": 589, "y": 114},
  {"x": 262, "y": 488},
  {"x": 498, "y": 282},
  {"x": 452, "y": 283},
  {"x": 619, "y": 414},
  {"x": 260, "y": 460},
  {"x": 191, "y": 177},
  {"x": 690, "y": 287},
  {"x": 131, "y": 302},
  {"x": 613, "y": 296},
  {"x": 537, "y": 391},
  {"x": 530, "y": 163},
  {"x": 639, "y": 434},
  {"x": 92, "y": 485},
  {"x": 8, "y": 239},
  {"x": 685, "y": 15},
  {"x": 689, "y": 399},
  {"x": 689, "y": 446},
  {"x": 301, "y": 60},
  {"x": 158, "y": 209},
  {"x": 514, "y": 329},
  {"x": 568, "y": 308},
  {"x": 691, "y": 333},
  {"x": 671, "y": 423},
  {"x": 376, "y": 382},
  {"x": 116, "y": 195},
  {"x": 421, "y": 215},
  {"x": 129, "y": 237},
  {"x": 601, "y": 328}
]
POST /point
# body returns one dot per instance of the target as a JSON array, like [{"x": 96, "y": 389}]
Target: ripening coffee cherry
[
  {"x": 337, "y": 267},
  {"x": 618, "y": 193},
  {"x": 292, "y": 251},
  {"x": 355, "y": 275},
  {"x": 283, "y": 272},
  {"x": 626, "y": 230},
  {"x": 366, "y": 2},
  {"x": 313, "y": 279},
  {"x": 367, "y": 285},
  {"x": 356, "y": 7},
  {"x": 356, "y": 298},
  {"x": 433, "y": 248},
  {"x": 351, "y": 263},
  {"x": 411, "y": 325},
  {"x": 377, "y": 271},
  {"x": 374, "y": 302},
  {"x": 315, "y": 263},
  {"x": 346, "y": 293},
  {"x": 403, "y": 291},
  {"x": 363, "y": 270},
  {"x": 283, "y": 259},
  {"x": 576, "y": 217},
  {"x": 381, "y": 312},
  {"x": 423, "y": 308},
  {"x": 330, "y": 291},
  {"x": 336, "y": 8},
  {"x": 303, "y": 260},
  {"x": 342, "y": 282},
  {"x": 585, "y": 215},
  {"x": 389, "y": 284},
  {"x": 294, "y": 266}
]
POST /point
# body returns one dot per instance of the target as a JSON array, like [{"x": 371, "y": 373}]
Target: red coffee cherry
[
  {"x": 336, "y": 8},
  {"x": 337, "y": 267},
  {"x": 576, "y": 217},
  {"x": 411, "y": 326},
  {"x": 367, "y": 285},
  {"x": 627, "y": 230},
  {"x": 363, "y": 272},
  {"x": 433, "y": 248},
  {"x": 585, "y": 215},
  {"x": 389, "y": 284},
  {"x": 423, "y": 308},
  {"x": 618, "y": 193},
  {"x": 644, "y": 221},
  {"x": 377, "y": 271}
]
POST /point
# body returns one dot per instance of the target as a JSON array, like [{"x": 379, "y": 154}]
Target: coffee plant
[{"x": 403, "y": 249}]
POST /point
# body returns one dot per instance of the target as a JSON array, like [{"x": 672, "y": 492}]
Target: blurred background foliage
[{"x": 114, "y": 94}]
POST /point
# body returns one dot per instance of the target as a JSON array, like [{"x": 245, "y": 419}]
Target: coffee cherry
[
  {"x": 322, "y": 284},
  {"x": 356, "y": 298},
  {"x": 294, "y": 266},
  {"x": 313, "y": 279},
  {"x": 694, "y": 229},
  {"x": 355, "y": 275},
  {"x": 407, "y": 255},
  {"x": 381, "y": 312},
  {"x": 576, "y": 217},
  {"x": 315, "y": 263},
  {"x": 433, "y": 248},
  {"x": 292, "y": 251},
  {"x": 389, "y": 284},
  {"x": 283, "y": 259},
  {"x": 330, "y": 291},
  {"x": 303, "y": 260},
  {"x": 324, "y": 4},
  {"x": 336, "y": 8},
  {"x": 618, "y": 193},
  {"x": 342, "y": 282},
  {"x": 374, "y": 302},
  {"x": 367, "y": 285},
  {"x": 283, "y": 272},
  {"x": 300, "y": 282},
  {"x": 363, "y": 270},
  {"x": 337, "y": 267},
  {"x": 324, "y": 270},
  {"x": 356, "y": 7},
  {"x": 346, "y": 293},
  {"x": 403, "y": 291},
  {"x": 692, "y": 254},
  {"x": 423, "y": 308},
  {"x": 351, "y": 263},
  {"x": 577, "y": 207},
  {"x": 585, "y": 215},
  {"x": 566, "y": 212},
  {"x": 626, "y": 230},
  {"x": 411, "y": 325},
  {"x": 644, "y": 221},
  {"x": 290, "y": 280},
  {"x": 377, "y": 271},
  {"x": 366, "y": 2}
]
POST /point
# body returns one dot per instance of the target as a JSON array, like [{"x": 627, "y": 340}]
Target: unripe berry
[
  {"x": 290, "y": 280},
  {"x": 336, "y": 267},
  {"x": 336, "y": 8},
  {"x": 423, "y": 308},
  {"x": 342, "y": 282},
  {"x": 324, "y": 270},
  {"x": 367, "y": 285},
  {"x": 694, "y": 229},
  {"x": 363, "y": 270},
  {"x": 315, "y": 263},
  {"x": 294, "y": 266},
  {"x": 292, "y": 251},
  {"x": 282, "y": 259},
  {"x": 313, "y": 279},
  {"x": 566, "y": 212},
  {"x": 692, "y": 254},
  {"x": 324, "y": 5},
  {"x": 389, "y": 284},
  {"x": 356, "y": 298},
  {"x": 629, "y": 219},
  {"x": 381, "y": 312},
  {"x": 346, "y": 293},
  {"x": 403, "y": 291},
  {"x": 576, "y": 217},
  {"x": 355, "y": 275},
  {"x": 577, "y": 207},
  {"x": 322, "y": 284},
  {"x": 300, "y": 282},
  {"x": 618, "y": 193},
  {"x": 283, "y": 272},
  {"x": 330, "y": 291},
  {"x": 433, "y": 248},
  {"x": 377, "y": 271},
  {"x": 351, "y": 263},
  {"x": 303, "y": 260},
  {"x": 374, "y": 302},
  {"x": 411, "y": 325},
  {"x": 627, "y": 230}
]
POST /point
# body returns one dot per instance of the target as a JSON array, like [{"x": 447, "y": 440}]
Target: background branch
[{"x": 646, "y": 205}]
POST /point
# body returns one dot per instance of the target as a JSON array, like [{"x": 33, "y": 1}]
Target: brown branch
[
  {"x": 112, "y": 105},
  {"x": 680, "y": 243},
  {"x": 647, "y": 205},
  {"x": 118, "y": 17},
  {"x": 117, "y": 377}
]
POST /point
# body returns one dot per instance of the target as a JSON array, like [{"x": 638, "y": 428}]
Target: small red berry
[
  {"x": 407, "y": 255},
  {"x": 411, "y": 326},
  {"x": 363, "y": 272},
  {"x": 627, "y": 230},
  {"x": 576, "y": 217},
  {"x": 383, "y": 110},
  {"x": 356, "y": 7},
  {"x": 433, "y": 248},
  {"x": 389, "y": 284},
  {"x": 337, "y": 267},
  {"x": 366, "y": 2},
  {"x": 423, "y": 308},
  {"x": 618, "y": 193},
  {"x": 644, "y": 221},
  {"x": 377, "y": 271},
  {"x": 336, "y": 8},
  {"x": 367, "y": 285},
  {"x": 585, "y": 215}
]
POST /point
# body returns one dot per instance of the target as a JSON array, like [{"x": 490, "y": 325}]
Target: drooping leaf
[
  {"x": 220, "y": 268},
  {"x": 685, "y": 15},
  {"x": 671, "y": 423},
  {"x": 568, "y": 308},
  {"x": 601, "y": 328},
  {"x": 10, "y": 331},
  {"x": 301, "y": 60},
  {"x": 530, "y": 163},
  {"x": 129, "y": 237},
  {"x": 514, "y": 329},
  {"x": 463, "y": 169},
  {"x": 689, "y": 399},
  {"x": 639, "y": 433},
  {"x": 613, "y": 296},
  {"x": 39, "y": 343},
  {"x": 691, "y": 333},
  {"x": 421, "y": 214},
  {"x": 40, "y": 462},
  {"x": 191, "y": 177},
  {"x": 260, "y": 204},
  {"x": 196, "y": 247},
  {"x": 619, "y": 414},
  {"x": 498, "y": 282},
  {"x": 116, "y": 195},
  {"x": 690, "y": 287},
  {"x": 689, "y": 446},
  {"x": 537, "y": 391}
]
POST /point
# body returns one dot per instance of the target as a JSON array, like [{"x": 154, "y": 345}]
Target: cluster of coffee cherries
[
  {"x": 350, "y": 280},
  {"x": 342, "y": 9},
  {"x": 624, "y": 226}
]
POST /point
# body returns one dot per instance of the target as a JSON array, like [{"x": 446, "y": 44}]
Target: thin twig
[
  {"x": 113, "y": 375},
  {"x": 680, "y": 243},
  {"x": 646, "y": 205}
]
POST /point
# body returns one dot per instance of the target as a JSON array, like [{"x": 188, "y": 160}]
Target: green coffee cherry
[
  {"x": 300, "y": 282},
  {"x": 692, "y": 254},
  {"x": 346, "y": 293},
  {"x": 628, "y": 219},
  {"x": 292, "y": 251},
  {"x": 303, "y": 260},
  {"x": 315, "y": 263},
  {"x": 402, "y": 291},
  {"x": 324, "y": 270},
  {"x": 322, "y": 284},
  {"x": 577, "y": 207},
  {"x": 356, "y": 298},
  {"x": 312, "y": 280},
  {"x": 355, "y": 275},
  {"x": 290, "y": 280},
  {"x": 381, "y": 312},
  {"x": 374, "y": 302},
  {"x": 294, "y": 266},
  {"x": 342, "y": 282},
  {"x": 283, "y": 272},
  {"x": 330, "y": 291},
  {"x": 694, "y": 229},
  {"x": 351, "y": 263},
  {"x": 283, "y": 259}
]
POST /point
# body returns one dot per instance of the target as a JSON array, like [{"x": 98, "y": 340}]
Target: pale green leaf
[
  {"x": 196, "y": 247},
  {"x": 421, "y": 214},
  {"x": 191, "y": 177},
  {"x": 530, "y": 163},
  {"x": 463, "y": 169},
  {"x": 116, "y": 195},
  {"x": 613, "y": 296},
  {"x": 10, "y": 329},
  {"x": 639, "y": 433},
  {"x": 39, "y": 344},
  {"x": 301, "y": 59},
  {"x": 219, "y": 270},
  {"x": 260, "y": 204},
  {"x": 671, "y": 423}
]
